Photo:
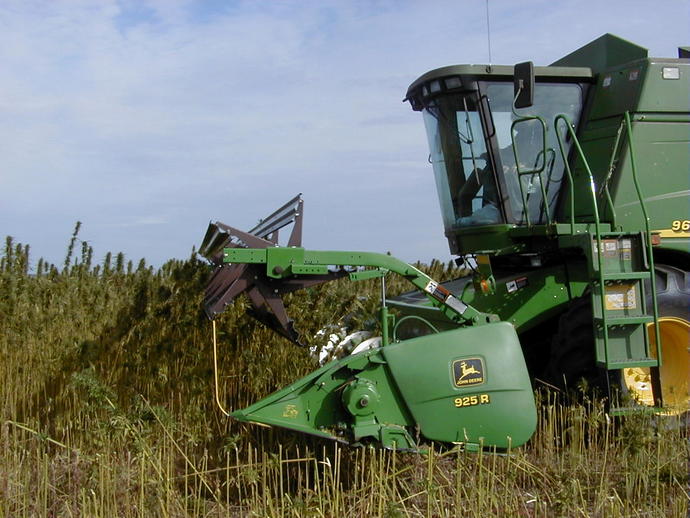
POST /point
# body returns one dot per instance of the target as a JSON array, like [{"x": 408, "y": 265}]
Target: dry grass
[{"x": 106, "y": 409}]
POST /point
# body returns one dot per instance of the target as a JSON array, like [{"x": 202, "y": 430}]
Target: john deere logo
[
  {"x": 290, "y": 411},
  {"x": 468, "y": 371}
]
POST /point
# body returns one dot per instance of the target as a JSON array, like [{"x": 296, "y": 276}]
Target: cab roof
[
  {"x": 464, "y": 77},
  {"x": 581, "y": 65}
]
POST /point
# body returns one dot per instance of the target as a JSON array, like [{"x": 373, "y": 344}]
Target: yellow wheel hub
[{"x": 674, "y": 371}]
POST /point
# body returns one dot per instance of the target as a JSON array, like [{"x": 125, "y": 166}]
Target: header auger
[{"x": 567, "y": 189}]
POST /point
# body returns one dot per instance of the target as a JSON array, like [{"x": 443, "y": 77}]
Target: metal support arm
[{"x": 286, "y": 262}]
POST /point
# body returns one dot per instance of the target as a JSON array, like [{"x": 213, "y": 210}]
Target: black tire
[
  {"x": 572, "y": 361},
  {"x": 672, "y": 292}
]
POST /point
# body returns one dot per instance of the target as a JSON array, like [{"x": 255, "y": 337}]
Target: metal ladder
[
  {"x": 618, "y": 270},
  {"x": 619, "y": 264}
]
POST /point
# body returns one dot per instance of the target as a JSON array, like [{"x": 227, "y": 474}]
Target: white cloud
[{"x": 200, "y": 110}]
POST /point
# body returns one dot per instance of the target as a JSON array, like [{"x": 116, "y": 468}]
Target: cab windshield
[
  {"x": 528, "y": 138},
  {"x": 475, "y": 165},
  {"x": 465, "y": 180}
]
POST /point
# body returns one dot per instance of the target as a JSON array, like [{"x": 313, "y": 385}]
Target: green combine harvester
[{"x": 566, "y": 189}]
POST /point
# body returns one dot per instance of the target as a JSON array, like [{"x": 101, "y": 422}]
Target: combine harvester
[{"x": 567, "y": 189}]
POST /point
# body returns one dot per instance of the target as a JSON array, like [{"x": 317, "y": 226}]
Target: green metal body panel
[
  {"x": 661, "y": 149},
  {"x": 314, "y": 404},
  {"x": 524, "y": 298},
  {"x": 424, "y": 371},
  {"x": 602, "y": 53},
  {"x": 660, "y": 111},
  {"x": 527, "y": 298},
  {"x": 383, "y": 394},
  {"x": 627, "y": 80},
  {"x": 493, "y": 238}
]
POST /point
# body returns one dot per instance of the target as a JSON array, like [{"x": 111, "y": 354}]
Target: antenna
[{"x": 488, "y": 32}]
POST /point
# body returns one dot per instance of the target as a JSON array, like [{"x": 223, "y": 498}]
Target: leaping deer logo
[{"x": 467, "y": 370}]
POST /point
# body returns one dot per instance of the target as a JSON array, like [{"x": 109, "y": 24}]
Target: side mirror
[{"x": 523, "y": 86}]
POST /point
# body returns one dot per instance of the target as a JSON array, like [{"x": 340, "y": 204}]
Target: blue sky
[{"x": 146, "y": 119}]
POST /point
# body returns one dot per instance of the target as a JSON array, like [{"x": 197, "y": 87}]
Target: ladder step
[
  {"x": 624, "y": 321},
  {"x": 625, "y": 276},
  {"x": 632, "y": 362}
]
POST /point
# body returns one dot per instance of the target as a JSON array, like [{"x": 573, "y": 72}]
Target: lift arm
[{"x": 288, "y": 262}]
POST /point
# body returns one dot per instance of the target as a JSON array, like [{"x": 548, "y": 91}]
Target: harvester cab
[{"x": 495, "y": 164}]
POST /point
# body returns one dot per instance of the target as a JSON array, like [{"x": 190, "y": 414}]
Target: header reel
[{"x": 265, "y": 293}]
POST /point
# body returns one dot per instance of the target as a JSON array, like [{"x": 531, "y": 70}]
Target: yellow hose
[{"x": 215, "y": 369}]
